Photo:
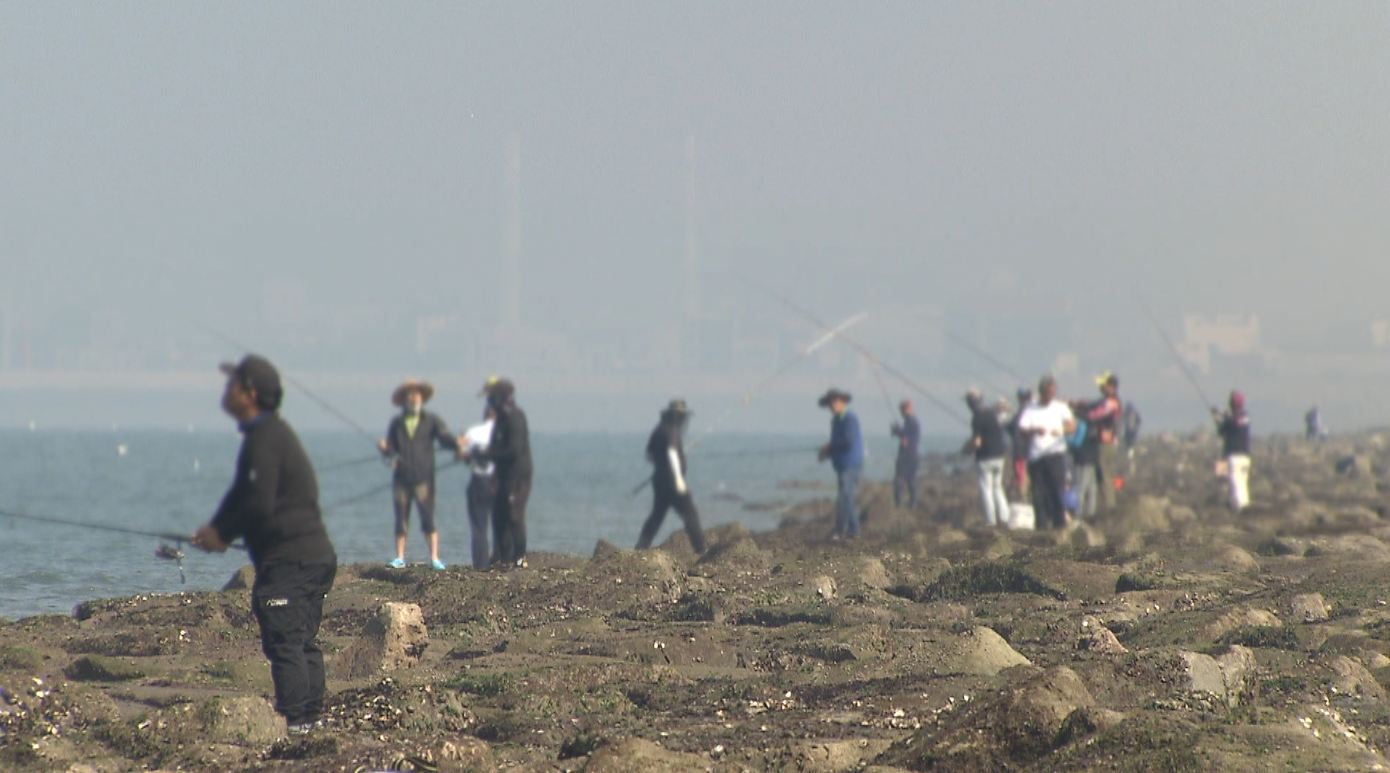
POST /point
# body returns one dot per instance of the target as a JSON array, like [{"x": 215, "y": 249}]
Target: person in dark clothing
[
  {"x": 1234, "y": 428},
  {"x": 509, "y": 449},
  {"x": 846, "y": 454},
  {"x": 273, "y": 505},
  {"x": 409, "y": 444},
  {"x": 482, "y": 487},
  {"x": 666, "y": 452},
  {"x": 909, "y": 435},
  {"x": 990, "y": 446}
]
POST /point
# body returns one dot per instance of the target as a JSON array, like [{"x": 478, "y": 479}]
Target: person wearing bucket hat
[
  {"x": 273, "y": 504},
  {"x": 409, "y": 445},
  {"x": 1234, "y": 428},
  {"x": 846, "y": 454},
  {"x": 509, "y": 448},
  {"x": 666, "y": 452}
]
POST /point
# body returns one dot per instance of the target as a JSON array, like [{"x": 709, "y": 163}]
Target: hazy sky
[{"x": 165, "y": 163}]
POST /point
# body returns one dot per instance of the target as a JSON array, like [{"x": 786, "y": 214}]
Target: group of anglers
[
  {"x": 272, "y": 504},
  {"x": 1067, "y": 455}
]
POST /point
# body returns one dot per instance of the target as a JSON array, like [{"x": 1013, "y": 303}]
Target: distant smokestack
[
  {"x": 692, "y": 277},
  {"x": 511, "y": 265}
]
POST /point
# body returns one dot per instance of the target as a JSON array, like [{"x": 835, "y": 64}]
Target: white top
[
  {"x": 1051, "y": 419},
  {"x": 476, "y": 438}
]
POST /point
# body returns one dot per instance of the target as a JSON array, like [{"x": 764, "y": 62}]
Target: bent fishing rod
[
  {"x": 829, "y": 335},
  {"x": 945, "y": 407},
  {"x": 164, "y": 551}
]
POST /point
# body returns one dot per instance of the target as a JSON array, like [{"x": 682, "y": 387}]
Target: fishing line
[
  {"x": 807, "y": 351},
  {"x": 322, "y": 403},
  {"x": 945, "y": 407},
  {"x": 1173, "y": 350}
]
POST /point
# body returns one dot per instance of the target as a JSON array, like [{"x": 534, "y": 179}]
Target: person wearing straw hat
[
  {"x": 666, "y": 452},
  {"x": 846, "y": 454},
  {"x": 409, "y": 444}
]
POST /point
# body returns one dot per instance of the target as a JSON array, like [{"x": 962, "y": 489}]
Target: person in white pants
[
  {"x": 990, "y": 446},
  {"x": 1234, "y": 427}
]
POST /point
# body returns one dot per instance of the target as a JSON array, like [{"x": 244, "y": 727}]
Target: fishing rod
[
  {"x": 987, "y": 357},
  {"x": 883, "y": 390},
  {"x": 829, "y": 335},
  {"x": 360, "y": 461},
  {"x": 1173, "y": 350},
  {"x": 946, "y": 408},
  {"x": 168, "y": 552},
  {"x": 374, "y": 490},
  {"x": 322, "y": 403}
]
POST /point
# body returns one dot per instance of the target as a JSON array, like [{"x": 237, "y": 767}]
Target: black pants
[
  {"x": 664, "y": 498},
  {"x": 422, "y": 494},
  {"x": 288, "y": 601},
  {"x": 905, "y": 480},
  {"x": 509, "y": 517},
  {"x": 482, "y": 492},
  {"x": 1048, "y": 478}
]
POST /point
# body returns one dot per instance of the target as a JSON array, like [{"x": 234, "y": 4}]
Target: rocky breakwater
[{"x": 1167, "y": 634}]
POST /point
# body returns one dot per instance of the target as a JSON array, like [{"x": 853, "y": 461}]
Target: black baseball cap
[{"x": 256, "y": 373}]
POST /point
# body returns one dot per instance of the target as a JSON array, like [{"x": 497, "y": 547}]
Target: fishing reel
[{"x": 172, "y": 553}]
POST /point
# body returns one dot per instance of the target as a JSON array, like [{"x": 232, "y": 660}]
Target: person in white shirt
[
  {"x": 1047, "y": 423},
  {"x": 482, "y": 487}
]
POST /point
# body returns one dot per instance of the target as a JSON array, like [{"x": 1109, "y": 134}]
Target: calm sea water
[{"x": 172, "y": 481}]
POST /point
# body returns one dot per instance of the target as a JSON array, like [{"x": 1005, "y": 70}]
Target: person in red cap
[{"x": 1234, "y": 428}]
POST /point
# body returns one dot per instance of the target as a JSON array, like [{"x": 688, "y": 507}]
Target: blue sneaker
[
  {"x": 438, "y": 565},
  {"x": 397, "y": 563}
]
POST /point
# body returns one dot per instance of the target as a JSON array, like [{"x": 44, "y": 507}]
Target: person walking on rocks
[
  {"x": 1234, "y": 427},
  {"x": 409, "y": 445},
  {"x": 846, "y": 454},
  {"x": 1046, "y": 424},
  {"x": 510, "y": 449},
  {"x": 666, "y": 452},
  {"x": 273, "y": 505},
  {"x": 909, "y": 435},
  {"x": 482, "y": 487},
  {"x": 988, "y": 443}
]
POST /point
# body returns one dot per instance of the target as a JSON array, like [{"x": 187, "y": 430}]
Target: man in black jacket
[
  {"x": 510, "y": 450},
  {"x": 409, "y": 443},
  {"x": 273, "y": 505},
  {"x": 666, "y": 452}
]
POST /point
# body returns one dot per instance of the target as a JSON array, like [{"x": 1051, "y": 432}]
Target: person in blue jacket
[{"x": 846, "y": 454}]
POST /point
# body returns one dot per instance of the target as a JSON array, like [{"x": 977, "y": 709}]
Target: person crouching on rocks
[{"x": 666, "y": 452}]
